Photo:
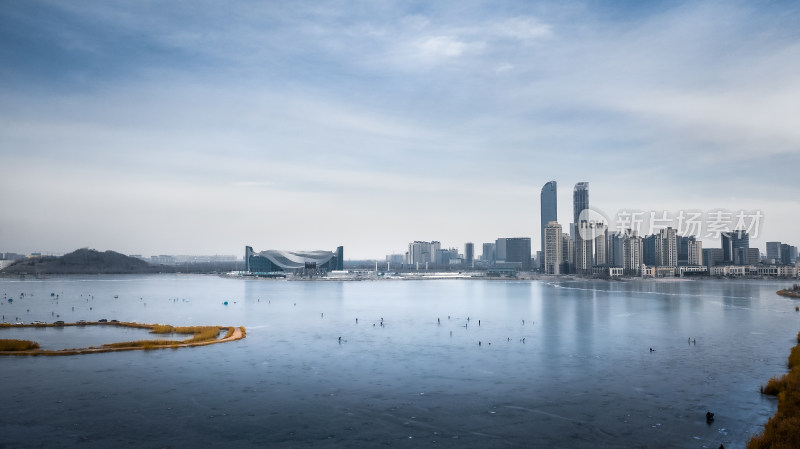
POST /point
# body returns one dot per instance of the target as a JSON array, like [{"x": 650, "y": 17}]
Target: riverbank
[
  {"x": 201, "y": 336},
  {"x": 783, "y": 429}
]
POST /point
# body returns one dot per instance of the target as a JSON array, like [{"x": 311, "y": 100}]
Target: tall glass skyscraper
[
  {"x": 580, "y": 200},
  {"x": 549, "y": 204}
]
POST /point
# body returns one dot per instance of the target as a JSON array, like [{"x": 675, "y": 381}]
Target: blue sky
[{"x": 200, "y": 127}]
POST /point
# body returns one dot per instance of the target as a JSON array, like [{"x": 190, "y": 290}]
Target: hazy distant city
[{"x": 588, "y": 246}]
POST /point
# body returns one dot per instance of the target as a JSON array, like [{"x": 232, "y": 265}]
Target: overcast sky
[{"x": 198, "y": 127}]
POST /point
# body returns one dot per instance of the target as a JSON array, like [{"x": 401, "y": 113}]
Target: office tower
[
  {"x": 583, "y": 248},
  {"x": 727, "y": 247},
  {"x": 739, "y": 243},
  {"x": 422, "y": 252},
  {"x": 580, "y": 201},
  {"x": 500, "y": 250},
  {"x": 446, "y": 256},
  {"x": 549, "y": 208},
  {"x": 666, "y": 248},
  {"x": 518, "y": 250},
  {"x": 712, "y": 257},
  {"x": 753, "y": 256},
  {"x": 614, "y": 252},
  {"x": 489, "y": 254},
  {"x": 632, "y": 252},
  {"x": 552, "y": 248},
  {"x": 649, "y": 250},
  {"x": 567, "y": 254},
  {"x": 469, "y": 253},
  {"x": 774, "y": 252},
  {"x": 683, "y": 250},
  {"x": 600, "y": 233},
  {"x": 788, "y": 254},
  {"x": 340, "y": 258},
  {"x": 694, "y": 249}
]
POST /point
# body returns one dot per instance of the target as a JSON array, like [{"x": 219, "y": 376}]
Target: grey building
[
  {"x": 649, "y": 250},
  {"x": 500, "y": 250},
  {"x": 271, "y": 261},
  {"x": 552, "y": 248},
  {"x": 518, "y": 250},
  {"x": 489, "y": 253},
  {"x": 712, "y": 257},
  {"x": 469, "y": 253},
  {"x": 549, "y": 209},
  {"x": 666, "y": 248},
  {"x": 774, "y": 252},
  {"x": 580, "y": 200}
]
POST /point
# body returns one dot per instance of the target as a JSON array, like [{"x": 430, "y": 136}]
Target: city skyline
[{"x": 194, "y": 129}]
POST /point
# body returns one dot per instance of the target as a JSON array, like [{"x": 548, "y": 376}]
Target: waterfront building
[
  {"x": 567, "y": 254},
  {"x": 549, "y": 209},
  {"x": 649, "y": 250},
  {"x": 583, "y": 248},
  {"x": 469, "y": 253},
  {"x": 694, "y": 250},
  {"x": 788, "y": 254},
  {"x": 632, "y": 254},
  {"x": 774, "y": 252},
  {"x": 614, "y": 249},
  {"x": 580, "y": 201},
  {"x": 600, "y": 255},
  {"x": 489, "y": 255},
  {"x": 271, "y": 261},
  {"x": 420, "y": 252},
  {"x": 553, "y": 248},
  {"x": 500, "y": 250},
  {"x": 666, "y": 248},
  {"x": 753, "y": 256},
  {"x": 518, "y": 251},
  {"x": 712, "y": 257}
]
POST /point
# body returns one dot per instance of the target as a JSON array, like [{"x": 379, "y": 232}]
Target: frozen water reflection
[{"x": 558, "y": 365}]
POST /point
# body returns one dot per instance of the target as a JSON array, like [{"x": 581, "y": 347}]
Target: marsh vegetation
[
  {"x": 199, "y": 335},
  {"x": 783, "y": 429}
]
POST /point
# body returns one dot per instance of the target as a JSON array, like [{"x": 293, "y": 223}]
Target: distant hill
[{"x": 84, "y": 261}]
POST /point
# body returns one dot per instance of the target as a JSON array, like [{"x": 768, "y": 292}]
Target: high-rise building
[
  {"x": 649, "y": 250},
  {"x": 580, "y": 201},
  {"x": 488, "y": 254},
  {"x": 518, "y": 250},
  {"x": 632, "y": 251},
  {"x": 774, "y": 252},
  {"x": 423, "y": 252},
  {"x": 788, "y": 254},
  {"x": 753, "y": 256},
  {"x": 552, "y": 248},
  {"x": 469, "y": 253},
  {"x": 567, "y": 254},
  {"x": 600, "y": 255},
  {"x": 666, "y": 246},
  {"x": 712, "y": 257},
  {"x": 549, "y": 207},
  {"x": 500, "y": 250},
  {"x": 694, "y": 249},
  {"x": 614, "y": 251},
  {"x": 740, "y": 243},
  {"x": 583, "y": 248},
  {"x": 727, "y": 247}
]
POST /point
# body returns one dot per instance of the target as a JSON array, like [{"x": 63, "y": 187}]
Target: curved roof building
[{"x": 277, "y": 260}]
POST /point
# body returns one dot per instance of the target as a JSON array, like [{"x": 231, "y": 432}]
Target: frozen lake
[{"x": 564, "y": 364}]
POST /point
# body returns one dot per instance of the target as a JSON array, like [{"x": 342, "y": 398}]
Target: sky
[{"x": 200, "y": 127}]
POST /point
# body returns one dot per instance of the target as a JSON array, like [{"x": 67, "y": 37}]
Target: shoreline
[{"x": 232, "y": 334}]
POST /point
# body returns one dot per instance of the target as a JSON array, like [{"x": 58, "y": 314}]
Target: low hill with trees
[{"x": 83, "y": 261}]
